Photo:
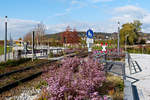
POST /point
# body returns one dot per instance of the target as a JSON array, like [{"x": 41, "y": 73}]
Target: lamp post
[
  {"x": 118, "y": 47},
  {"x": 126, "y": 42},
  {"x": 5, "y": 43},
  {"x": 33, "y": 46}
]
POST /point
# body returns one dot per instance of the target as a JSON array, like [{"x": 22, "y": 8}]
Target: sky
[{"x": 56, "y": 15}]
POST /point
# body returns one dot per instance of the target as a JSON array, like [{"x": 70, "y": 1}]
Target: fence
[
  {"x": 40, "y": 53},
  {"x": 128, "y": 88},
  {"x": 133, "y": 65}
]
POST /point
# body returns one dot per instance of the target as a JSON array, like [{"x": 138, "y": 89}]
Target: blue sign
[{"x": 90, "y": 33}]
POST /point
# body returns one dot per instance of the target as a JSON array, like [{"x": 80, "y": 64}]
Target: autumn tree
[{"x": 70, "y": 37}]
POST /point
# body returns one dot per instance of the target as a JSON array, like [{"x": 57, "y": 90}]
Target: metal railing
[
  {"x": 132, "y": 64},
  {"x": 129, "y": 93},
  {"x": 128, "y": 88}
]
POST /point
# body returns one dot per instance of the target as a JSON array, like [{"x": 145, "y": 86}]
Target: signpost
[
  {"x": 104, "y": 48},
  {"x": 89, "y": 39}
]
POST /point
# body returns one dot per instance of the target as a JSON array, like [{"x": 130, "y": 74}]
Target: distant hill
[
  {"x": 97, "y": 35},
  {"x": 56, "y": 36},
  {"x": 102, "y": 35}
]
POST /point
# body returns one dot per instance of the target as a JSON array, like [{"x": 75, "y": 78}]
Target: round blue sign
[{"x": 90, "y": 33}]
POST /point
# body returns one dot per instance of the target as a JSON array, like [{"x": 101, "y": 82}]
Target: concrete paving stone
[{"x": 143, "y": 85}]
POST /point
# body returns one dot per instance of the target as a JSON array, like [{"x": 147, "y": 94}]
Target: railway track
[{"x": 12, "y": 79}]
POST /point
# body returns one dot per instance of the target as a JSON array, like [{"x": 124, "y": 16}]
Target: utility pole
[
  {"x": 5, "y": 43},
  {"x": 118, "y": 47},
  {"x": 32, "y": 45},
  {"x": 9, "y": 46}
]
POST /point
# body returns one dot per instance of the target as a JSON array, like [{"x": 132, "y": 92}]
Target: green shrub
[
  {"x": 144, "y": 50},
  {"x": 51, "y": 55}
]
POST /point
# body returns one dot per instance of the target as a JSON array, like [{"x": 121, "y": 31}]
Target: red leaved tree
[{"x": 70, "y": 37}]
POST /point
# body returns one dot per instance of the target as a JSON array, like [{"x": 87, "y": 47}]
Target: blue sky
[{"x": 100, "y": 15}]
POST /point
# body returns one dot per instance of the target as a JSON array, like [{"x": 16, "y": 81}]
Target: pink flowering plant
[{"x": 76, "y": 79}]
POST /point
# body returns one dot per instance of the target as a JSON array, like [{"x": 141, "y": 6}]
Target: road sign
[
  {"x": 89, "y": 40},
  {"x": 90, "y": 33},
  {"x": 104, "y": 50}
]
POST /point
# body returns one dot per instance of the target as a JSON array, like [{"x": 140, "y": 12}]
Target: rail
[{"x": 11, "y": 85}]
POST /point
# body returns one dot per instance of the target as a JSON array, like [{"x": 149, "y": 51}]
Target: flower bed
[{"x": 75, "y": 79}]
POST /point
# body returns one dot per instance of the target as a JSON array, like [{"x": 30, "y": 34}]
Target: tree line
[{"x": 129, "y": 33}]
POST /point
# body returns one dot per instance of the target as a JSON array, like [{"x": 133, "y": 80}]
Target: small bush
[
  {"x": 51, "y": 55},
  {"x": 76, "y": 79}
]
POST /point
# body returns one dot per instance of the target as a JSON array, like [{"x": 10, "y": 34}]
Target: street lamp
[
  {"x": 33, "y": 45},
  {"x": 5, "y": 43},
  {"x": 126, "y": 41},
  {"x": 118, "y": 47}
]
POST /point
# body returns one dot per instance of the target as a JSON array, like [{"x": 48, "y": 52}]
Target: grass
[
  {"x": 113, "y": 86},
  {"x": 139, "y": 50},
  {"x": 2, "y": 49},
  {"x": 11, "y": 63},
  {"x": 41, "y": 84}
]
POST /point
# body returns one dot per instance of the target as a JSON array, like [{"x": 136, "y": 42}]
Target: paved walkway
[{"x": 143, "y": 85}]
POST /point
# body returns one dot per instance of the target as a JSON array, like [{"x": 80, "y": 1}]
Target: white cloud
[
  {"x": 133, "y": 11},
  {"x": 123, "y": 14},
  {"x": 129, "y": 13},
  {"x": 17, "y": 27},
  {"x": 83, "y": 26}
]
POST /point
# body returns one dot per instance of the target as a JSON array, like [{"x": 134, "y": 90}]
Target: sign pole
[{"x": 89, "y": 40}]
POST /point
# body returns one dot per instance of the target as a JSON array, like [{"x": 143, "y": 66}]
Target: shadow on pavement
[{"x": 135, "y": 93}]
